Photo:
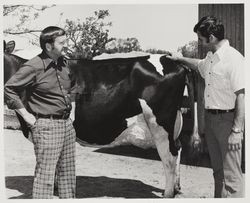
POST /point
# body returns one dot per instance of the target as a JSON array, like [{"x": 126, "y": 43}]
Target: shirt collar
[
  {"x": 49, "y": 62},
  {"x": 220, "y": 51}
]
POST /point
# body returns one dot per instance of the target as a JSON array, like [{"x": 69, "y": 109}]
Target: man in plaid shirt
[{"x": 50, "y": 88}]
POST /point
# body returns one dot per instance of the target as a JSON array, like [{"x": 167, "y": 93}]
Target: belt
[
  {"x": 219, "y": 111},
  {"x": 64, "y": 116}
]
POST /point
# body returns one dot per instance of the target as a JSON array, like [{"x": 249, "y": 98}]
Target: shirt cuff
[{"x": 200, "y": 68}]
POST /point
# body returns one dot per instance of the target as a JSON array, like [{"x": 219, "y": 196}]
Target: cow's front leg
[
  {"x": 160, "y": 137},
  {"x": 168, "y": 160}
]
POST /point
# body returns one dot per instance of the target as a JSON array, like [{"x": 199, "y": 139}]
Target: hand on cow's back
[{"x": 174, "y": 56}]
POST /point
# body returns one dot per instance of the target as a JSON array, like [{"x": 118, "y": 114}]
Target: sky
[{"x": 160, "y": 26}]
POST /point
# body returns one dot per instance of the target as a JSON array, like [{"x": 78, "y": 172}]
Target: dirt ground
[{"x": 121, "y": 172}]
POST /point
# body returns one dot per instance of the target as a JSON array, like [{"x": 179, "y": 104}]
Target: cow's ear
[
  {"x": 10, "y": 46},
  {"x": 4, "y": 45}
]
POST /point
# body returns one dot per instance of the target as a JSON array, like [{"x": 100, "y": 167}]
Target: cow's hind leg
[
  {"x": 177, "y": 187},
  {"x": 160, "y": 137}
]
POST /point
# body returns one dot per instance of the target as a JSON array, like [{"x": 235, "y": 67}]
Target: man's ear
[
  {"x": 211, "y": 38},
  {"x": 48, "y": 46}
]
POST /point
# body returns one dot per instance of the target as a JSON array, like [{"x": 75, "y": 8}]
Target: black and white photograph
[{"x": 127, "y": 100}]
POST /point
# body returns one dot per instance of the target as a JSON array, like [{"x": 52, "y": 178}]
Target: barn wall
[{"x": 232, "y": 16}]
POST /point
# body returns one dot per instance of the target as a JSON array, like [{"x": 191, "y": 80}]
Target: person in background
[
  {"x": 50, "y": 89},
  {"x": 223, "y": 72}
]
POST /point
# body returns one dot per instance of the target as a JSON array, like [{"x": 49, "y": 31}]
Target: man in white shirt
[{"x": 223, "y": 72}]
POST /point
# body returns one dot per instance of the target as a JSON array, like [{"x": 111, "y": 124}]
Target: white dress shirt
[{"x": 223, "y": 72}]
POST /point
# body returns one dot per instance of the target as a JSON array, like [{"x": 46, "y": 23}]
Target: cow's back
[{"x": 105, "y": 98}]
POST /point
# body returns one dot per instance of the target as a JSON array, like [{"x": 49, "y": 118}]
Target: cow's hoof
[
  {"x": 168, "y": 194},
  {"x": 177, "y": 189},
  {"x": 196, "y": 146}
]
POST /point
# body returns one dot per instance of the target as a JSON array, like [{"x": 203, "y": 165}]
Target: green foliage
[
  {"x": 15, "y": 9},
  {"x": 88, "y": 39},
  {"x": 156, "y": 51},
  {"x": 190, "y": 49},
  {"x": 85, "y": 38},
  {"x": 24, "y": 15},
  {"x": 123, "y": 45}
]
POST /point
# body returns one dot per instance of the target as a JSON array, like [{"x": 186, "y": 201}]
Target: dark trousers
[{"x": 226, "y": 164}]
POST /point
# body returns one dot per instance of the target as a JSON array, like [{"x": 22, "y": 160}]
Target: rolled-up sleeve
[
  {"x": 237, "y": 75},
  {"x": 201, "y": 67},
  {"x": 16, "y": 85}
]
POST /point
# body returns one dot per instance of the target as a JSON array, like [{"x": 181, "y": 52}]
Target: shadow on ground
[
  {"x": 201, "y": 161},
  {"x": 131, "y": 151},
  {"x": 22, "y": 184},
  {"x": 90, "y": 187},
  {"x": 110, "y": 187}
]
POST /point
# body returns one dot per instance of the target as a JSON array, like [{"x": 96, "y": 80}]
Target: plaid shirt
[{"x": 49, "y": 86}]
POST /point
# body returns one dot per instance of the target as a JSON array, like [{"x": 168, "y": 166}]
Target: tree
[
  {"x": 156, "y": 51},
  {"x": 123, "y": 45},
  {"x": 85, "y": 39},
  {"x": 190, "y": 49},
  {"x": 24, "y": 15},
  {"x": 88, "y": 39}
]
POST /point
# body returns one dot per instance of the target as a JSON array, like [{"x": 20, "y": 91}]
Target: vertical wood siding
[{"x": 232, "y": 16}]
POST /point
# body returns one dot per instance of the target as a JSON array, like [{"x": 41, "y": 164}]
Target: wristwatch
[{"x": 236, "y": 130}]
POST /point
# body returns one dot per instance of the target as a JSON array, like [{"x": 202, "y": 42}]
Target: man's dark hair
[
  {"x": 210, "y": 25},
  {"x": 49, "y": 34}
]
